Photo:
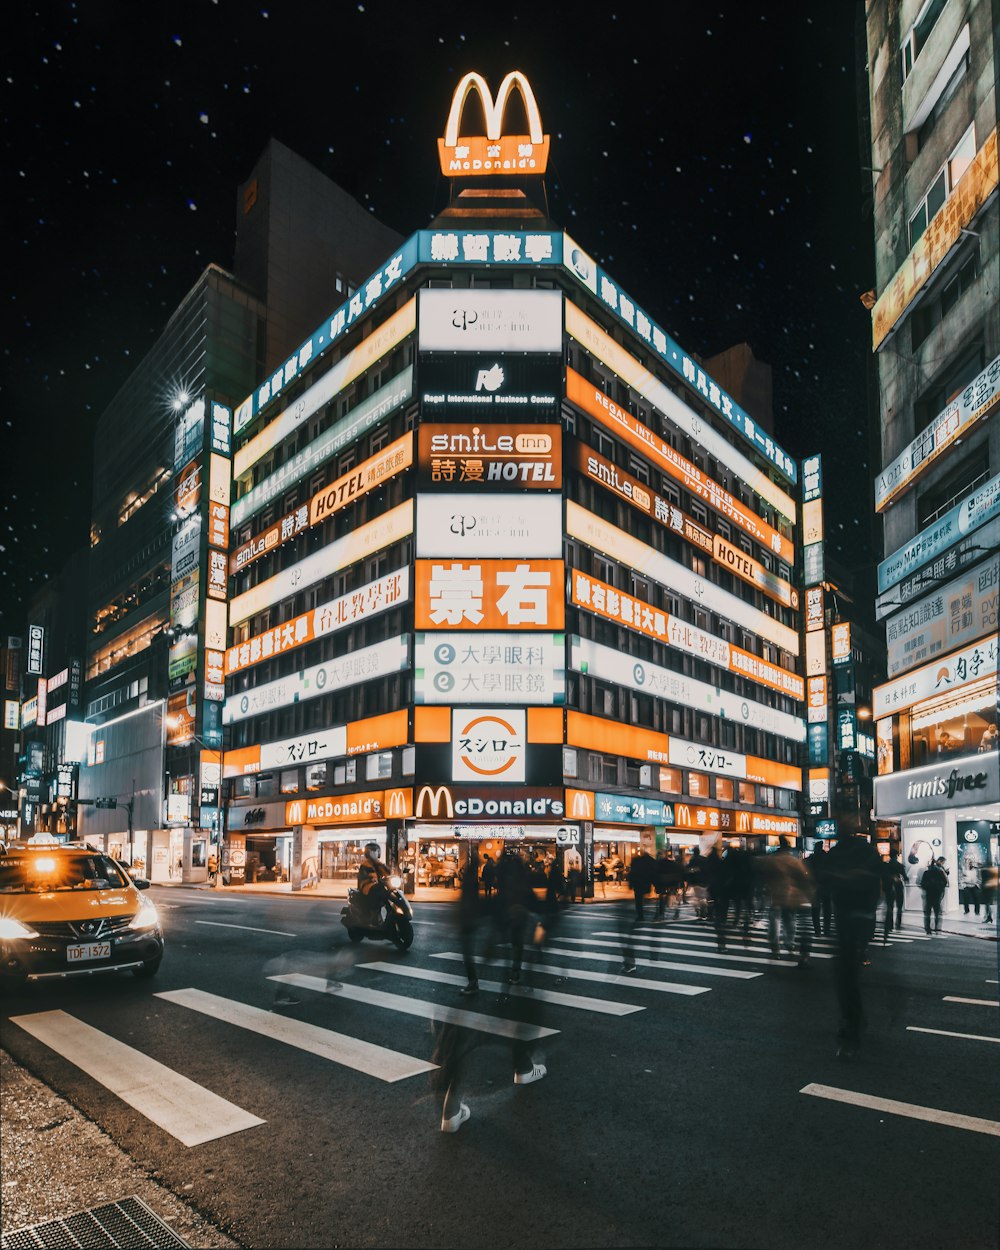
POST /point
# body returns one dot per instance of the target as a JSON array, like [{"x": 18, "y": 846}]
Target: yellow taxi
[{"x": 67, "y": 909}]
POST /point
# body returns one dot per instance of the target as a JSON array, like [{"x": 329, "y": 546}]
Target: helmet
[{"x": 372, "y": 850}]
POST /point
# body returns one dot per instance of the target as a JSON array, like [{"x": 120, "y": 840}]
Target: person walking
[
  {"x": 988, "y": 889},
  {"x": 515, "y": 903},
  {"x": 821, "y": 897},
  {"x": 968, "y": 883},
  {"x": 469, "y": 918},
  {"x": 934, "y": 882},
  {"x": 741, "y": 888},
  {"x": 641, "y": 874},
  {"x": 854, "y": 871},
  {"x": 791, "y": 890},
  {"x": 894, "y": 881},
  {"x": 489, "y": 875}
]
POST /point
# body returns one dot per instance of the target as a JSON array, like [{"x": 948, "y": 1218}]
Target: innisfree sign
[{"x": 464, "y": 156}]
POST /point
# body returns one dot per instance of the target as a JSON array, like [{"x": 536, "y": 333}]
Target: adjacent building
[
  {"x": 506, "y": 563},
  {"x": 932, "y": 84}
]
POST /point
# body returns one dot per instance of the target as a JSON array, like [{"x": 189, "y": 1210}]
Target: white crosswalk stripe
[
  {"x": 351, "y": 1052},
  {"x": 437, "y": 1012},
  {"x": 604, "y": 978},
  {"x": 702, "y": 935},
  {"x": 179, "y": 1106},
  {"x": 669, "y": 947},
  {"x": 701, "y": 969},
  {"x": 664, "y": 936},
  {"x": 603, "y": 1006}
]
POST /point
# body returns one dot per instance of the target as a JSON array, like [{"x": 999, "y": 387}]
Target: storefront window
[
  {"x": 315, "y": 776},
  {"x": 670, "y": 781},
  {"x": 955, "y": 726},
  {"x": 698, "y": 785},
  {"x": 724, "y": 788},
  {"x": 290, "y": 781},
  {"x": 748, "y": 792}
]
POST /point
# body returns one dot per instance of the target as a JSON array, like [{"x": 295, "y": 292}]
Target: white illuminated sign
[
  {"x": 489, "y": 668},
  {"x": 624, "y": 670},
  {"x": 708, "y": 759},
  {"x": 360, "y": 543},
  {"x": 488, "y": 744},
  {"x": 948, "y": 673},
  {"x": 365, "y": 664},
  {"x": 457, "y": 320},
  {"x": 489, "y": 525},
  {"x": 613, "y": 542}
]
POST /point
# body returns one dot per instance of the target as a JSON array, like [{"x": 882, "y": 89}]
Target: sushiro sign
[{"x": 493, "y": 153}]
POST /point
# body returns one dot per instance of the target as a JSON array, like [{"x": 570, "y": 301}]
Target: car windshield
[{"x": 41, "y": 873}]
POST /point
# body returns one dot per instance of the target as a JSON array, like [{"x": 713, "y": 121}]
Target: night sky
[{"x": 706, "y": 154}]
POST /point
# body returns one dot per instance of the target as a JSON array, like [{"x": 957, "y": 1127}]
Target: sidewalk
[{"x": 56, "y": 1162}]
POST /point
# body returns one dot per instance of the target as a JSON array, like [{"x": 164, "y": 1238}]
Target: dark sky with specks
[{"x": 705, "y": 154}]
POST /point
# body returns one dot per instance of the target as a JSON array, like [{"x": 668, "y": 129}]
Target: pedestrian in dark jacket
[
  {"x": 516, "y": 902},
  {"x": 893, "y": 879},
  {"x": 469, "y": 918},
  {"x": 640, "y": 878},
  {"x": 934, "y": 882},
  {"x": 489, "y": 875},
  {"x": 821, "y": 900},
  {"x": 854, "y": 871}
]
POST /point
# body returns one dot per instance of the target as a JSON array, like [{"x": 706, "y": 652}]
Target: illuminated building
[
  {"x": 159, "y": 532},
  {"x": 932, "y": 75},
  {"x": 506, "y": 562}
]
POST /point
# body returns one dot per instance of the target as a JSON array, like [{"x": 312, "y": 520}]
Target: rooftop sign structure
[{"x": 493, "y": 153}]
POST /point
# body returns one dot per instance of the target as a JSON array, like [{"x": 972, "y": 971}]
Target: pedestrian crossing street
[{"x": 570, "y": 975}]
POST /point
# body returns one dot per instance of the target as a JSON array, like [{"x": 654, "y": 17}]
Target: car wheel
[{"x": 148, "y": 969}]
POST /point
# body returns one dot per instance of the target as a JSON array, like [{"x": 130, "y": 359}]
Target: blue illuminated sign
[
  {"x": 587, "y": 271},
  {"x": 625, "y": 809}
]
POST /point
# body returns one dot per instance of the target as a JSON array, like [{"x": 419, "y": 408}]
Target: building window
[
  {"x": 918, "y": 34},
  {"x": 944, "y": 183}
]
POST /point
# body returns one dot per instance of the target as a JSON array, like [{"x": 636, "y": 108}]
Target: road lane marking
[
  {"x": 437, "y": 1012},
  {"x": 221, "y": 924},
  {"x": 350, "y": 1052},
  {"x": 604, "y": 978},
  {"x": 702, "y": 970},
  {"x": 605, "y": 1006},
  {"x": 732, "y": 938},
  {"x": 187, "y": 1111},
  {"x": 890, "y": 1106},
  {"x": 969, "y": 1037},
  {"x": 666, "y": 946},
  {"x": 973, "y": 1002}
]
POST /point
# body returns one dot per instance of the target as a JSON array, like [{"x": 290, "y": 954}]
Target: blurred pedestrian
[
  {"x": 988, "y": 889},
  {"x": 791, "y": 886},
  {"x": 821, "y": 897},
  {"x": 933, "y": 882},
  {"x": 641, "y": 873},
  {"x": 515, "y": 905},
  {"x": 893, "y": 888},
  {"x": 469, "y": 919},
  {"x": 854, "y": 871},
  {"x": 741, "y": 888}
]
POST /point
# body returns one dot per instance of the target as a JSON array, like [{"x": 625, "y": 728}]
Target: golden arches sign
[{"x": 464, "y": 156}]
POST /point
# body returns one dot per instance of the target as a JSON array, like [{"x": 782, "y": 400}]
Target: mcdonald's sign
[
  {"x": 493, "y": 153},
  {"x": 398, "y": 804},
  {"x": 295, "y": 812},
  {"x": 435, "y": 801},
  {"x": 580, "y": 803},
  {"x": 742, "y": 822}
]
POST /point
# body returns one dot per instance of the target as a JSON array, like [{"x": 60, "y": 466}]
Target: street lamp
[{"x": 220, "y": 811}]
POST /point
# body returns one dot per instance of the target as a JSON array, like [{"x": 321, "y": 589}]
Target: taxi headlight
[
  {"x": 147, "y": 917},
  {"x": 11, "y": 928}
]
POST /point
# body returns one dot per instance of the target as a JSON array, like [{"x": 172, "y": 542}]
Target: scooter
[{"x": 396, "y": 927}]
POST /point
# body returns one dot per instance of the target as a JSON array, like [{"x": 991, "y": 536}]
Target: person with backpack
[{"x": 934, "y": 882}]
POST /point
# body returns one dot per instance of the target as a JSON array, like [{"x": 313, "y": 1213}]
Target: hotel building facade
[{"x": 505, "y": 564}]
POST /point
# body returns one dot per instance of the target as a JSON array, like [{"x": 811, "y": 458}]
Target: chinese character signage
[
  {"x": 490, "y": 456},
  {"x": 36, "y": 646},
  {"x": 490, "y": 594},
  {"x": 948, "y": 673},
  {"x": 489, "y": 668}
]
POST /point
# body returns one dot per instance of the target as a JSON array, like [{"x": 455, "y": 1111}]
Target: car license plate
[{"x": 88, "y": 950}]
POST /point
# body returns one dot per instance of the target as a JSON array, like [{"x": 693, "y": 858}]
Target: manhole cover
[{"x": 128, "y": 1224}]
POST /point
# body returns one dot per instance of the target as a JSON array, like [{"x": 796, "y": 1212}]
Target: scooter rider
[{"x": 372, "y": 875}]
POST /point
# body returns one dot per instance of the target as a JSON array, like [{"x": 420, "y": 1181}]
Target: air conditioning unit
[{"x": 646, "y": 775}]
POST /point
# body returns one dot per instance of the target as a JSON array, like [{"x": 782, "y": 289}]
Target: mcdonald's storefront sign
[
  {"x": 464, "y": 156},
  {"x": 395, "y": 804},
  {"x": 495, "y": 804}
]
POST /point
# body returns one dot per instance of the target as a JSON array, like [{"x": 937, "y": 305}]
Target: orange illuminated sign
[
  {"x": 345, "y": 809},
  {"x": 527, "y": 456},
  {"x": 367, "y": 476},
  {"x": 490, "y": 594},
  {"x": 359, "y": 737},
  {"x": 943, "y": 231},
  {"x": 594, "y": 733},
  {"x": 189, "y": 487},
  {"x": 624, "y": 609},
  {"x": 592, "y": 400},
  {"x": 493, "y": 153}
]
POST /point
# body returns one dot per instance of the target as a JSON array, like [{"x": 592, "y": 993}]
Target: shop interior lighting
[{"x": 958, "y": 707}]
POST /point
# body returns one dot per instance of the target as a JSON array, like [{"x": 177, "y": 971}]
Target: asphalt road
[{"x": 674, "y": 1111}]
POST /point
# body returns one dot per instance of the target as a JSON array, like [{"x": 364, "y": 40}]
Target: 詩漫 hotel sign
[
  {"x": 943, "y": 231},
  {"x": 490, "y": 455},
  {"x": 463, "y": 156}
]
